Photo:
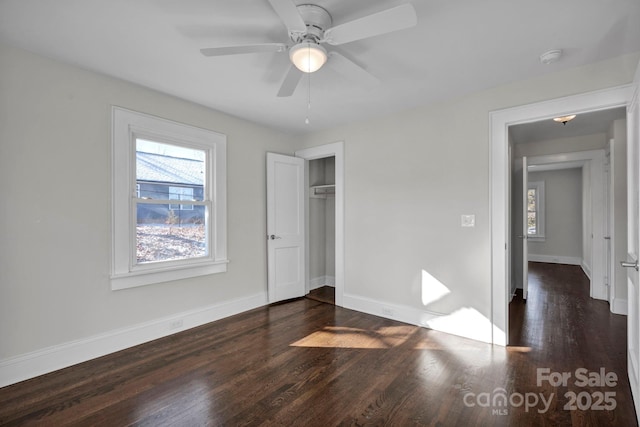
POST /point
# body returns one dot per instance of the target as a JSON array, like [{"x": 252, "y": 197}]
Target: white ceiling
[{"x": 457, "y": 47}]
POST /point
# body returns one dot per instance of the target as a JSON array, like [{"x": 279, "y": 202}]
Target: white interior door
[
  {"x": 525, "y": 229},
  {"x": 633, "y": 239},
  {"x": 285, "y": 227}
]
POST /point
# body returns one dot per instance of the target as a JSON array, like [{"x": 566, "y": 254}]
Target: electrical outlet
[
  {"x": 386, "y": 311},
  {"x": 468, "y": 220},
  {"x": 176, "y": 324}
]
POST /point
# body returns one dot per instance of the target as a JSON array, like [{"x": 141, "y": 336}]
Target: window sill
[
  {"x": 536, "y": 238},
  {"x": 143, "y": 278}
]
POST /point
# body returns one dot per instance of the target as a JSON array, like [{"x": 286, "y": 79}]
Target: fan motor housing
[{"x": 317, "y": 20}]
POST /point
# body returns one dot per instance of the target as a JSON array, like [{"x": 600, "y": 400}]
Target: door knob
[
  {"x": 629, "y": 264},
  {"x": 274, "y": 237}
]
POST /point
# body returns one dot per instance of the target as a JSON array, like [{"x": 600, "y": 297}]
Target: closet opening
[{"x": 322, "y": 229}]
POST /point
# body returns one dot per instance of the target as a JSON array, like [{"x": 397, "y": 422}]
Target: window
[
  {"x": 535, "y": 210},
  {"x": 157, "y": 162}
]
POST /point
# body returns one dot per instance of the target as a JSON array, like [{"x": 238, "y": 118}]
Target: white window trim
[
  {"x": 540, "y": 210},
  {"x": 126, "y": 126}
]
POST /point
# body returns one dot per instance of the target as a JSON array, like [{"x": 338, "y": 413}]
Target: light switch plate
[{"x": 468, "y": 220}]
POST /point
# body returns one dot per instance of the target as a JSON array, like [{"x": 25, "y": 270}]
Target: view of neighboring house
[{"x": 166, "y": 177}]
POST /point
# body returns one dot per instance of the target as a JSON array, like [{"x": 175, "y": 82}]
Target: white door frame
[
  {"x": 609, "y": 193},
  {"x": 525, "y": 230},
  {"x": 499, "y": 183},
  {"x": 336, "y": 150}
]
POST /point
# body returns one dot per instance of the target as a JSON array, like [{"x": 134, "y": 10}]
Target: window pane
[
  {"x": 531, "y": 200},
  {"x": 166, "y": 171},
  {"x": 173, "y": 231},
  {"x": 531, "y": 223},
  {"x": 164, "y": 234}
]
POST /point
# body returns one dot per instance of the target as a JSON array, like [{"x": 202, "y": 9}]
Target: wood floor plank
[{"x": 308, "y": 363}]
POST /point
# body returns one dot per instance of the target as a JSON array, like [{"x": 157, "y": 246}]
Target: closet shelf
[{"x": 323, "y": 191}]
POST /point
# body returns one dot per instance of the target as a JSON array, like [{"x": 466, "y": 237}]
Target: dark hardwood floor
[
  {"x": 306, "y": 363},
  {"x": 323, "y": 294},
  {"x": 566, "y": 330}
]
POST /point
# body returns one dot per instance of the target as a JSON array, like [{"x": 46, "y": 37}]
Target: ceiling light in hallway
[{"x": 564, "y": 119}]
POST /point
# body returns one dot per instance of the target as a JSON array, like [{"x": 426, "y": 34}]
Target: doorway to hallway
[{"x": 560, "y": 319}]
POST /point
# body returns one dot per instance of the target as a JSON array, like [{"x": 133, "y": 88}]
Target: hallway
[{"x": 565, "y": 330}]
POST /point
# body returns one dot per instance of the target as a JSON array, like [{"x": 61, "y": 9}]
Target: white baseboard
[
  {"x": 619, "y": 306},
  {"x": 586, "y": 269},
  {"x": 39, "y": 362},
  {"x": 321, "y": 281},
  {"x": 390, "y": 311},
  {"x": 456, "y": 323},
  {"x": 555, "y": 259}
]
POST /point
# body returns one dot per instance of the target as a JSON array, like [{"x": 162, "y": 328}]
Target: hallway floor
[{"x": 563, "y": 329}]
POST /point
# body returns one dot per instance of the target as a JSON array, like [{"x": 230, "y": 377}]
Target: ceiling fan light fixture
[
  {"x": 564, "y": 119},
  {"x": 308, "y": 56}
]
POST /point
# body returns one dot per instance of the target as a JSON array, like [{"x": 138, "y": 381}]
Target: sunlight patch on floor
[
  {"x": 343, "y": 337},
  {"x": 516, "y": 349}
]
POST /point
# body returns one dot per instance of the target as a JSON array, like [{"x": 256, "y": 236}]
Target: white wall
[
  {"x": 563, "y": 216},
  {"x": 618, "y": 133},
  {"x": 317, "y": 226},
  {"x": 330, "y": 222},
  {"x": 409, "y": 177},
  {"x": 55, "y": 221}
]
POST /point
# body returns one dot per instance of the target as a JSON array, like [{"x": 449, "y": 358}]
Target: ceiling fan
[{"x": 309, "y": 27}]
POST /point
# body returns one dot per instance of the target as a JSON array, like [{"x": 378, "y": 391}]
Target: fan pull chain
[{"x": 306, "y": 121}]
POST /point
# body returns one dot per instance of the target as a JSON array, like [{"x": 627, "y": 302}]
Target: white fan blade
[
  {"x": 288, "y": 13},
  {"x": 290, "y": 82},
  {"x": 351, "y": 70},
  {"x": 396, "y": 18},
  {"x": 241, "y": 49}
]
